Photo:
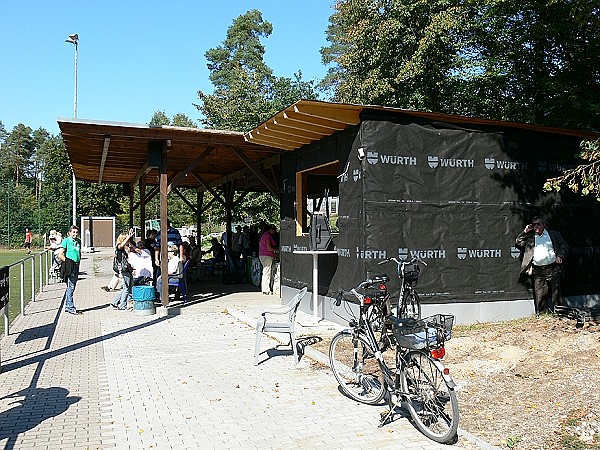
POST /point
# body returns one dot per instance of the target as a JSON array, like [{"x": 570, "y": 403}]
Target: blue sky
[{"x": 136, "y": 57}]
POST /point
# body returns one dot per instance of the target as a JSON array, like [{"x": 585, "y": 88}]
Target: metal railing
[{"x": 43, "y": 260}]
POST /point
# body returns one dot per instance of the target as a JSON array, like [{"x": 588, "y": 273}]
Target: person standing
[
  {"x": 544, "y": 252},
  {"x": 70, "y": 255},
  {"x": 121, "y": 264},
  {"x": 266, "y": 253},
  {"x": 28, "y": 239}
]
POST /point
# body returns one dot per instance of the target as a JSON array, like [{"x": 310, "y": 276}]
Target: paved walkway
[{"x": 180, "y": 380}]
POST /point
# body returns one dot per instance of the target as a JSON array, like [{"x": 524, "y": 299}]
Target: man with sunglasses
[{"x": 544, "y": 252}]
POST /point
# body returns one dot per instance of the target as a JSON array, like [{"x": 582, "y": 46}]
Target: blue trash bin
[{"x": 143, "y": 300}]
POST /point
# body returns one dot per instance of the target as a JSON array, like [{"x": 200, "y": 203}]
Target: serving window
[{"x": 317, "y": 190}]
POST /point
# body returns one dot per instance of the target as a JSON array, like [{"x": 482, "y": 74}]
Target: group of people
[
  {"x": 543, "y": 250},
  {"x": 133, "y": 265},
  {"x": 139, "y": 263}
]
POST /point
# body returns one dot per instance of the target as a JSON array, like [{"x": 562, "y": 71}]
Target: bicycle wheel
[
  {"x": 356, "y": 369},
  {"x": 431, "y": 402},
  {"x": 411, "y": 305}
]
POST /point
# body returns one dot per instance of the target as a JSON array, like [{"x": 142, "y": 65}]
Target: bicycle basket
[
  {"x": 428, "y": 332},
  {"x": 411, "y": 273}
]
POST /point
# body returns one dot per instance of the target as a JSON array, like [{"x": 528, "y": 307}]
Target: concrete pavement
[{"x": 184, "y": 379}]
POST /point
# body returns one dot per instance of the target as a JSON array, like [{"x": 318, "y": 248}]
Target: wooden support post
[
  {"x": 164, "y": 252},
  {"x": 142, "y": 188}
]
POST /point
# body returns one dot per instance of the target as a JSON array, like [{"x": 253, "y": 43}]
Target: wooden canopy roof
[
  {"x": 112, "y": 152},
  {"x": 307, "y": 121}
]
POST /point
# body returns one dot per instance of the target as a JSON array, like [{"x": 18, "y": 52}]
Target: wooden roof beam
[
  {"x": 242, "y": 173},
  {"x": 304, "y": 118},
  {"x": 348, "y": 114},
  {"x": 284, "y": 136},
  {"x": 215, "y": 194},
  {"x": 271, "y": 142},
  {"x": 256, "y": 171},
  {"x": 103, "y": 157},
  {"x": 189, "y": 168},
  {"x": 295, "y": 127},
  {"x": 278, "y": 130},
  {"x": 144, "y": 170}
]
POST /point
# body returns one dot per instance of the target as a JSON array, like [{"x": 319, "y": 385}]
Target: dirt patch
[{"x": 526, "y": 384}]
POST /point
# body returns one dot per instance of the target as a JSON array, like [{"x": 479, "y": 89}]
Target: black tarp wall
[{"x": 457, "y": 197}]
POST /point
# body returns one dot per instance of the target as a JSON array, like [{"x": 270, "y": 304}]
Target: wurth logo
[
  {"x": 515, "y": 252},
  {"x": 372, "y": 157},
  {"x": 370, "y": 254},
  {"x": 356, "y": 174},
  {"x": 404, "y": 253},
  {"x": 435, "y": 162},
  {"x": 464, "y": 252},
  {"x": 545, "y": 166},
  {"x": 375, "y": 157},
  {"x": 493, "y": 163},
  {"x": 398, "y": 160}
]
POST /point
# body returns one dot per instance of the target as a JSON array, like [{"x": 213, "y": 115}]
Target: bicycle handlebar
[
  {"x": 352, "y": 296},
  {"x": 415, "y": 258}
]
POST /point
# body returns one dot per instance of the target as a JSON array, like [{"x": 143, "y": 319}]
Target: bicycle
[
  {"x": 409, "y": 304},
  {"x": 415, "y": 375}
]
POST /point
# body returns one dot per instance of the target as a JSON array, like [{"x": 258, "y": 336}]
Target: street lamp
[{"x": 74, "y": 39}]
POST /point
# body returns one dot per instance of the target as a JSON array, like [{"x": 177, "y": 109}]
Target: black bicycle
[
  {"x": 413, "y": 373},
  {"x": 409, "y": 304}
]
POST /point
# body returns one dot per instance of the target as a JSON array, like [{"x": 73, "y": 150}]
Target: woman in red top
[{"x": 266, "y": 252}]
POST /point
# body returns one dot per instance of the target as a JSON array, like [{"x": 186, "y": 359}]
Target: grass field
[{"x": 8, "y": 257}]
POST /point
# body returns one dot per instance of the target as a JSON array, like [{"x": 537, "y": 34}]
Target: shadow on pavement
[{"x": 35, "y": 406}]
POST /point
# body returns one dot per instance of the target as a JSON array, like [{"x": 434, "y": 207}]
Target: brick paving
[{"x": 180, "y": 379}]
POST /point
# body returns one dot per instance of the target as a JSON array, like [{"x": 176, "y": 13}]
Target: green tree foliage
[
  {"x": 55, "y": 196},
  {"x": 246, "y": 93},
  {"x": 395, "y": 53},
  {"x": 15, "y": 158},
  {"x": 36, "y": 186},
  {"x": 535, "y": 61},
  {"x": 583, "y": 179},
  {"x": 179, "y": 213}
]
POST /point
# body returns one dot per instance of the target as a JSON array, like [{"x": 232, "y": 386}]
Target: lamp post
[{"x": 74, "y": 39}]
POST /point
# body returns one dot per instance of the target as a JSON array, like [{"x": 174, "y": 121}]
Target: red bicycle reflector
[
  {"x": 382, "y": 287},
  {"x": 367, "y": 300},
  {"x": 438, "y": 353},
  {"x": 446, "y": 371}
]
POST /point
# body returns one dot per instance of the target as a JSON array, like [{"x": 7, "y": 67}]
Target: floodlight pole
[{"x": 74, "y": 39}]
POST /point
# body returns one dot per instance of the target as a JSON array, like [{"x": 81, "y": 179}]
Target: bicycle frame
[
  {"x": 364, "y": 327},
  {"x": 404, "y": 285}
]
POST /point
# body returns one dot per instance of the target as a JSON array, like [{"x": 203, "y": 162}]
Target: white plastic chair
[{"x": 279, "y": 327}]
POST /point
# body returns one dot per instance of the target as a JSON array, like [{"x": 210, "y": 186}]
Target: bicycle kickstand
[{"x": 388, "y": 416}]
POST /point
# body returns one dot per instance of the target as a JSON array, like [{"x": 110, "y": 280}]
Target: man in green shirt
[{"x": 70, "y": 255}]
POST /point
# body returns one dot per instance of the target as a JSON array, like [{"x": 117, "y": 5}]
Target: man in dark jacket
[{"x": 544, "y": 252}]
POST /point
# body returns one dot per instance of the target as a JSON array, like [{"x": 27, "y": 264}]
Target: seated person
[
  {"x": 195, "y": 258},
  {"x": 218, "y": 254},
  {"x": 175, "y": 267},
  {"x": 54, "y": 246},
  {"x": 141, "y": 261}
]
